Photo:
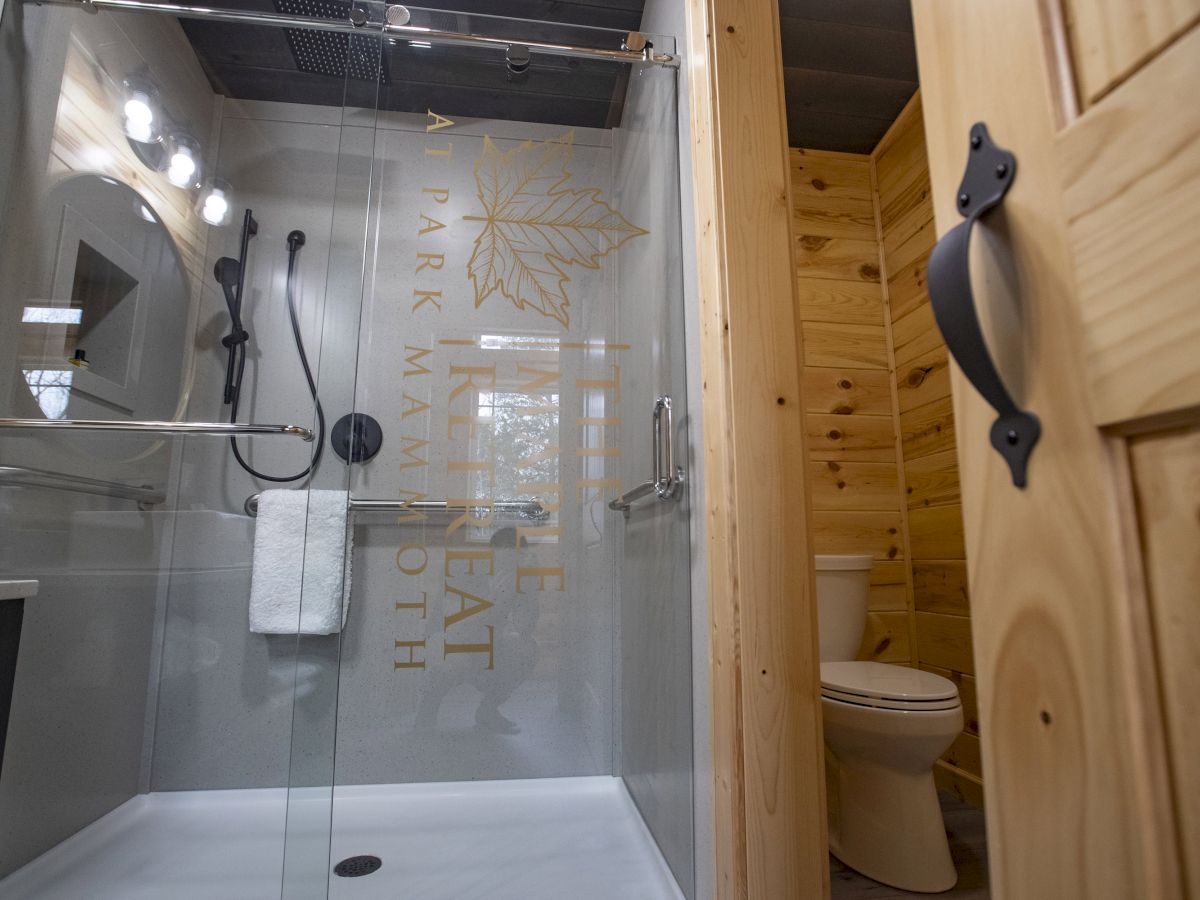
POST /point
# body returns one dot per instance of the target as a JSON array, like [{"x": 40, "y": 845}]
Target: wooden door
[{"x": 1085, "y": 585}]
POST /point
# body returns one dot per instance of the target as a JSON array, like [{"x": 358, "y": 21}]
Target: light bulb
[
  {"x": 215, "y": 208},
  {"x": 182, "y": 167},
  {"x": 138, "y": 111},
  {"x": 215, "y": 202},
  {"x": 143, "y": 133},
  {"x": 140, "y": 114}
]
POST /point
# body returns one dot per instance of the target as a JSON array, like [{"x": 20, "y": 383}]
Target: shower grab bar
[
  {"x": 667, "y": 475},
  {"x": 217, "y": 428},
  {"x": 359, "y": 22},
  {"x": 19, "y": 476},
  {"x": 522, "y": 509}
]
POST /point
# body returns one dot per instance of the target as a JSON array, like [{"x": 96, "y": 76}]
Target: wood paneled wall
[
  {"x": 941, "y": 610},
  {"x": 881, "y": 450},
  {"x": 852, "y": 459}
]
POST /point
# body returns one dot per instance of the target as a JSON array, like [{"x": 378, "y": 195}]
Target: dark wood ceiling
[
  {"x": 849, "y": 65},
  {"x": 849, "y": 68},
  {"x": 302, "y": 66}
]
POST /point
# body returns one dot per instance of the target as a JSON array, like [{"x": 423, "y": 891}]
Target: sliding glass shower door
[
  {"x": 185, "y": 209},
  {"x": 517, "y": 641}
]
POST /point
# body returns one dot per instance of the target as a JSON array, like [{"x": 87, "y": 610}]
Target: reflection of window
[
  {"x": 513, "y": 341},
  {"x": 524, "y": 439},
  {"x": 51, "y": 389},
  {"x": 52, "y": 315}
]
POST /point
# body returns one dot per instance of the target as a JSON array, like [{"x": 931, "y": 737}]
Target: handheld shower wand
[{"x": 230, "y": 274}]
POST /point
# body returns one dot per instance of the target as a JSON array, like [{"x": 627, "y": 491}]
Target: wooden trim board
[{"x": 769, "y": 803}]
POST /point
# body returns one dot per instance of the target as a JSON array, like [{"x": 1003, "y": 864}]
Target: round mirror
[{"x": 104, "y": 326}]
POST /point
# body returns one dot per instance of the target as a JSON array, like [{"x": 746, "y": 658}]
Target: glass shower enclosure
[{"x": 344, "y": 513}]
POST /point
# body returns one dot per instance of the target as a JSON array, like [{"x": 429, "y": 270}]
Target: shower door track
[{"x": 360, "y": 23}]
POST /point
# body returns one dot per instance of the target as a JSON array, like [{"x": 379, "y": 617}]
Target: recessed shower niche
[{"x": 103, "y": 331}]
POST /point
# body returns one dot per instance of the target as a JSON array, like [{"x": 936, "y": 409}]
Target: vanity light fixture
[
  {"x": 183, "y": 169},
  {"x": 141, "y": 114},
  {"x": 215, "y": 202}
]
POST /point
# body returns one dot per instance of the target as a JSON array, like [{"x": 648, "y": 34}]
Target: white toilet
[{"x": 885, "y": 725}]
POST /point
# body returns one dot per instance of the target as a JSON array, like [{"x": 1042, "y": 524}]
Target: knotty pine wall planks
[
  {"x": 852, "y": 466},
  {"x": 881, "y": 466},
  {"x": 941, "y": 608}
]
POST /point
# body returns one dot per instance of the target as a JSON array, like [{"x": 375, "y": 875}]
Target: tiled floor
[
  {"x": 543, "y": 839},
  {"x": 968, "y": 847}
]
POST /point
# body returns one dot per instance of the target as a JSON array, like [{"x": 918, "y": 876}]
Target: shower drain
[{"x": 356, "y": 866}]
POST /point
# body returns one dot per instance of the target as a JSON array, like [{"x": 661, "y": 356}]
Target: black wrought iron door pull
[{"x": 990, "y": 172}]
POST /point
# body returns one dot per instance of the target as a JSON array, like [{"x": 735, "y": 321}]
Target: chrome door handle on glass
[{"x": 667, "y": 475}]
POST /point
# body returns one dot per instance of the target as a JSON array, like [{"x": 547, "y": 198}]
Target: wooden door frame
[{"x": 770, "y": 840}]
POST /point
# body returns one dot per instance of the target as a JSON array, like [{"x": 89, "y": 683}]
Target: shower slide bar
[
  {"x": 667, "y": 476},
  {"x": 223, "y": 429},
  {"x": 19, "y": 476},
  {"x": 358, "y": 21},
  {"x": 521, "y": 509}
]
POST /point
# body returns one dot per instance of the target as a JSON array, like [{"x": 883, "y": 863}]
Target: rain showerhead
[{"x": 357, "y": 56}]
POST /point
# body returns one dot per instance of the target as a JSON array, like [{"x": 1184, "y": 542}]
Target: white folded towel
[{"x": 301, "y": 576}]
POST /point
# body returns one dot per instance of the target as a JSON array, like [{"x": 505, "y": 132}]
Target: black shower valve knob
[{"x": 356, "y": 437}]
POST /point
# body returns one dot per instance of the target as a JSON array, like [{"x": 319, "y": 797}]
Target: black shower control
[{"x": 356, "y": 437}]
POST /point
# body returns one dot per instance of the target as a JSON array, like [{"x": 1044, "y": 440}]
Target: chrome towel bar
[
  {"x": 215, "y": 428},
  {"x": 19, "y": 476},
  {"x": 521, "y": 509}
]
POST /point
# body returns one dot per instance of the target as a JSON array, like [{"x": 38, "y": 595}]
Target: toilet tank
[{"x": 843, "y": 584}]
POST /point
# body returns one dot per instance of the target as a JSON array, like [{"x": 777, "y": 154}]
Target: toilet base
[{"x": 888, "y": 825}]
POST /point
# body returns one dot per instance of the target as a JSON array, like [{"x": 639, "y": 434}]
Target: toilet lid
[{"x": 886, "y": 686}]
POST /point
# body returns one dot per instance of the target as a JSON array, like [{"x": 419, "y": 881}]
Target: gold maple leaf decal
[{"x": 535, "y": 226}]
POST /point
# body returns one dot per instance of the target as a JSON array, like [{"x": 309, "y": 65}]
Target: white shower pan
[{"x": 537, "y": 839}]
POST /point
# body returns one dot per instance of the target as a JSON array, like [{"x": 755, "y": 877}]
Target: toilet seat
[{"x": 884, "y": 686}]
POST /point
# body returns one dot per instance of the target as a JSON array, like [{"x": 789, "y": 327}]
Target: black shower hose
[{"x": 295, "y": 241}]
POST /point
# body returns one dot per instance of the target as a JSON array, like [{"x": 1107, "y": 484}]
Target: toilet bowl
[{"x": 885, "y": 726}]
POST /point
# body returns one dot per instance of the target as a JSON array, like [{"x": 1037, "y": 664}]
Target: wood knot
[
  {"x": 818, "y": 184},
  {"x": 780, "y": 401},
  {"x": 813, "y": 242},
  {"x": 833, "y": 467},
  {"x": 834, "y": 435},
  {"x": 869, "y": 272},
  {"x": 916, "y": 377},
  {"x": 843, "y": 410},
  {"x": 892, "y": 552},
  {"x": 845, "y": 384}
]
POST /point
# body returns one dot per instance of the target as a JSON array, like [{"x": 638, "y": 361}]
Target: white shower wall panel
[
  {"x": 483, "y": 399},
  {"x": 225, "y": 712}
]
